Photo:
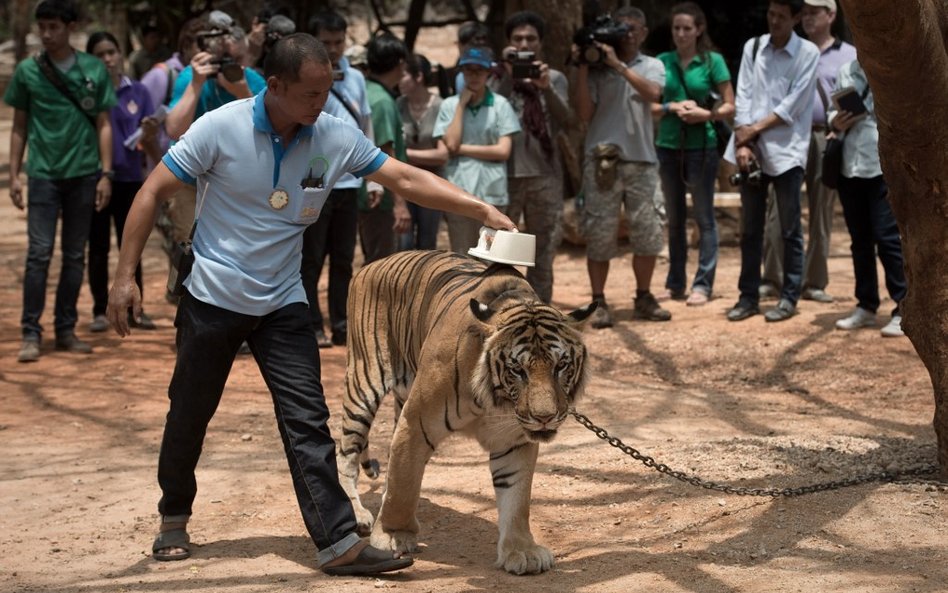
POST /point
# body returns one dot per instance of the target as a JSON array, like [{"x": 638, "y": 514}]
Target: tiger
[{"x": 494, "y": 363}]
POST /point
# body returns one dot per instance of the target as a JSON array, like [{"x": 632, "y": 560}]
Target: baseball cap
[
  {"x": 218, "y": 19},
  {"x": 478, "y": 56},
  {"x": 828, "y": 4},
  {"x": 281, "y": 25}
]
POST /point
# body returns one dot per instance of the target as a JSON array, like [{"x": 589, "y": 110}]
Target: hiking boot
[
  {"x": 29, "y": 350},
  {"x": 647, "y": 308},
  {"x": 70, "y": 343},
  {"x": 858, "y": 318},
  {"x": 99, "y": 324},
  {"x": 601, "y": 317}
]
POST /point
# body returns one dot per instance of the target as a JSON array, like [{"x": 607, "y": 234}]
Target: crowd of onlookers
[{"x": 96, "y": 122}]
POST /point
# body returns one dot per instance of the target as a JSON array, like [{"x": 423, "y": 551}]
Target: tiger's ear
[
  {"x": 481, "y": 311},
  {"x": 581, "y": 314}
]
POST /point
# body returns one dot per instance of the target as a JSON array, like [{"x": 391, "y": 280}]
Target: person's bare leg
[
  {"x": 642, "y": 267},
  {"x": 598, "y": 272}
]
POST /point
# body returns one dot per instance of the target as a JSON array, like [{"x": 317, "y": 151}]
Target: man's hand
[
  {"x": 402, "y": 217},
  {"x": 124, "y": 295},
  {"x": 744, "y": 135},
  {"x": 202, "y": 68},
  {"x": 16, "y": 191},
  {"x": 150, "y": 128},
  {"x": 694, "y": 114},
  {"x": 375, "y": 198},
  {"x": 610, "y": 59},
  {"x": 543, "y": 81},
  {"x": 103, "y": 193},
  {"x": 465, "y": 98},
  {"x": 496, "y": 219},
  {"x": 744, "y": 157},
  {"x": 843, "y": 121}
]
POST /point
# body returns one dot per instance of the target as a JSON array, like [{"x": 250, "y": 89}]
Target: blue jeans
[
  {"x": 424, "y": 229},
  {"x": 284, "y": 347},
  {"x": 787, "y": 187},
  {"x": 694, "y": 171},
  {"x": 75, "y": 198},
  {"x": 334, "y": 235},
  {"x": 873, "y": 229}
]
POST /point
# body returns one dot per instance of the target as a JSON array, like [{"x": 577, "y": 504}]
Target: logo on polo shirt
[{"x": 279, "y": 199}]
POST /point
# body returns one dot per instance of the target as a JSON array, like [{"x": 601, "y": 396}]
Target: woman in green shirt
[{"x": 697, "y": 92}]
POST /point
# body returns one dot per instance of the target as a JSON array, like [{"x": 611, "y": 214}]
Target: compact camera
[
  {"x": 752, "y": 176},
  {"x": 213, "y": 43},
  {"x": 605, "y": 30},
  {"x": 522, "y": 65}
]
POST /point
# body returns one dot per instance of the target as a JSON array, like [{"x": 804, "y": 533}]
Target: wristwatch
[{"x": 110, "y": 175}]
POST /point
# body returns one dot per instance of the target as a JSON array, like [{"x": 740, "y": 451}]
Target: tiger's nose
[{"x": 544, "y": 418}]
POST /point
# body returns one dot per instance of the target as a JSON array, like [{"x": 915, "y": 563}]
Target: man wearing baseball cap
[{"x": 818, "y": 17}]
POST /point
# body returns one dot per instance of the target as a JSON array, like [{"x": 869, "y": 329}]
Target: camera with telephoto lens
[
  {"x": 752, "y": 176},
  {"x": 604, "y": 29},
  {"x": 212, "y": 42},
  {"x": 522, "y": 64}
]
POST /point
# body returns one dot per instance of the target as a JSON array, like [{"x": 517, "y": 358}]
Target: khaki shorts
[{"x": 634, "y": 187}]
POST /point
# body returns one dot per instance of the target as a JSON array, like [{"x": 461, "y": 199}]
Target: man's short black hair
[
  {"x": 473, "y": 32},
  {"x": 385, "y": 52},
  {"x": 288, "y": 55},
  {"x": 328, "y": 20},
  {"x": 66, "y": 11},
  {"x": 522, "y": 19},
  {"x": 796, "y": 6}
]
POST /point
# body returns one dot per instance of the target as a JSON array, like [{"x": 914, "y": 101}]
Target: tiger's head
[{"x": 533, "y": 364}]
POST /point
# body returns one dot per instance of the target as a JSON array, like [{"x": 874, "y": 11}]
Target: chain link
[{"x": 647, "y": 461}]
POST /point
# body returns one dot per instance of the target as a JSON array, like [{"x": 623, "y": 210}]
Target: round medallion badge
[
  {"x": 279, "y": 199},
  {"x": 87, "y": 103}
]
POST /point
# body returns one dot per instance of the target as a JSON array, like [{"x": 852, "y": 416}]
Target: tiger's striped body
[{"x": 491, "y": 361}]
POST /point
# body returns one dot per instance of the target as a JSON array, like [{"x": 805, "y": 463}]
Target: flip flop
[
  {"x": 175, "y": 537},
  {"x": 370, "y": 561}
]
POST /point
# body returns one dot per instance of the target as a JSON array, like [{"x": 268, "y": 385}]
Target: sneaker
[
  {"x": 70, "y": 343},
  {"x": 893, "y": 329},
  {"x": 767, "y": 291},
  {"x": 99, "y": 324},
  {"x": 816, "y": 294},
  {"x": 647, "y": 308},
  {"x": 601, "y": 317},
  {"x": 697, "y": 298},
  {"x": 858, "y": 318},
  {"x": 29, "y": 350},
  {"x": 783, "y": 311},
  {"x": 144, "y": 322}
]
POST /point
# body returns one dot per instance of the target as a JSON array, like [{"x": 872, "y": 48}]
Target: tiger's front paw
[
  {"x": 397, "y": 541},
  {"x": 364, "y": 518},
  {"x": 527, "y": 559}
]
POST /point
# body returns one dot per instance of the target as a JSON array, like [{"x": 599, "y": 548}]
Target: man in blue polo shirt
[{"x": 264, "y": 167}]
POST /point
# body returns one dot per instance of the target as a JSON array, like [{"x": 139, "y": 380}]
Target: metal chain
[{"x": 647, "y": 461}]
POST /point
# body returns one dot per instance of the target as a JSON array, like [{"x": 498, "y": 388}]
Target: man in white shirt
[{"x": 775, "y": 94}]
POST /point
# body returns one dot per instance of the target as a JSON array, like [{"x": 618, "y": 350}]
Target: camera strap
[
  {"x": 45, "y": 65},
  {"x": 352, "y": 112},
  {"x": 197, "y": 212}
]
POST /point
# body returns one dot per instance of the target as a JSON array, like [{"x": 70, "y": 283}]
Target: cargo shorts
[{"x": 633, "y": 186}]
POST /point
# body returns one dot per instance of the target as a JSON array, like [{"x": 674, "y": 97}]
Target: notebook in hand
[{"x": 848, "y": 99}]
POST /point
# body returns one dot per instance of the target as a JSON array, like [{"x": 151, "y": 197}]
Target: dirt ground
[{"x": 749, "y": 403}]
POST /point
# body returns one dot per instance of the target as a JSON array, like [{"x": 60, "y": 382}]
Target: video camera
[
  {"x": 212, "y": 42},
  {"x": 604, "y": 29},
  {"x": 522, "y": 64}
]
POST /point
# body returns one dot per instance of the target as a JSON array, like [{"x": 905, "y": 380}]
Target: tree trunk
[
  {"x": 902, "y": 49},
  {"x": 22, "y": 16}
]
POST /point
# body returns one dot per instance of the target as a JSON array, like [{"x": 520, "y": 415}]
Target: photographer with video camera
[
  {"x": 539, "y": 96},
  {"x": 614, "y": 96},
  {"x": 775, "y": 93}
]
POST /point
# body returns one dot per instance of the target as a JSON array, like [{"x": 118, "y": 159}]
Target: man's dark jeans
[
  {"x": 75, "y": 198},
  {"x": 284, "y": 346},
  {"x": 787, "y": 186},
  {"x": 333, "y": 234},
  {"x": 872, "y": 227}
]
